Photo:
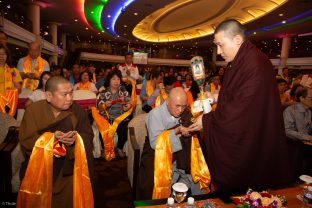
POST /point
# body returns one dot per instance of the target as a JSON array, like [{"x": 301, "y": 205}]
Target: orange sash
[
  {"x": 84, "y": 86},
  {"x": 163, "y": 166},
  {"x": 161, "y": 97},
  {"x": 32, "y": 84},
  {"x": 108, "y": 130},
  {"x": 36, "y": 187},
  {"x": 10, "y": 99},
  {"x": 149, "y": 88},
  {"x": 213, "y": 88}
]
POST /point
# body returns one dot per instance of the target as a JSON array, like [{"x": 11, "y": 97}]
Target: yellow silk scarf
[
  {"x": 8, "y": 82},
  {"x": 32, "y": 84},
  {"x": 10, "y": 99},
  {"x": 163, "y": 166},
  {"x": 149, "y": 88},
  {"x": 38, "y": 68},
  {"x": 84, "y": 86},
  {"x": 213, "y": 88},
  {"x": 36, "y": 187},
  {"x": 108, "y": 130},
  {"x": 161, "y": 97}
]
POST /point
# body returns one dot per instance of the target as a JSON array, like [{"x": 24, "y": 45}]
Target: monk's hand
[
  {"x": 197, "y": 125},
  {"x": 184, "y": 131},
  {"x": 67, "y": 138}
]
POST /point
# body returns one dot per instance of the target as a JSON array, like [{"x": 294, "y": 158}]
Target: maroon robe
[{"x": 245, "y": 136}]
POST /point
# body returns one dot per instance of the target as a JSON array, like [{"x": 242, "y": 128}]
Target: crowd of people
[{"x": 243, "y": 142}]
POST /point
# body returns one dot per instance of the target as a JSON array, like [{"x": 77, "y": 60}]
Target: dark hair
[
  {"x": 55, "y": 67},
  {"x": 194, "y": 89},
  {"x": 303, "y": 92},
  {"x": 53, "y": 82},
  {"x": 294, "y": 89},
  {"x": 281, "y": 80},
  {"x": 169, "y": 80},
  {"x": 40, "y": 86},
  {"x": 7, "y": 51},
  {"x": 129, "y": 54},
  {"x": 231, "y": 27},
  {"x": 110, "y": 75},
  {"x": 155, "y": 74},
  {"x": 89, "y": 74}
]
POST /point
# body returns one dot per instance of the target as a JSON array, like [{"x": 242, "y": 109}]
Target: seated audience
[
  {"x": 62, "y": 171},
  {"x": 285, "y": 99},
  {"x": 297, "y": 117},
  {"x": 112, "y": 103},
  {"x": 128, "y": 69},
  {"x": 164, "y": 91},
  {"x": 150, "y": 88},
  {"x": 85, "y": 83},
  {"x": 39, "y": 94},
  {"x": 75, "y": 74}
]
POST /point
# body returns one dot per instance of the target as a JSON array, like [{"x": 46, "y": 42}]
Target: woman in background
[
  {"x": 39, "y": 93},
  {"x": 85, "y": 83}
]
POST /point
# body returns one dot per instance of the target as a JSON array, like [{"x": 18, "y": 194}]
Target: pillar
[
  {"x": 286, "y": 44},
  {"x": 33, "y": 14}
]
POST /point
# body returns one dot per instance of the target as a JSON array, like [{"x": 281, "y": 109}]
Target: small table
[{"x": 290, "y": 194}]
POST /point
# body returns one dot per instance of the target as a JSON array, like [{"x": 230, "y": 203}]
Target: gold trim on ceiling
[{"x": 189, "y": 19}]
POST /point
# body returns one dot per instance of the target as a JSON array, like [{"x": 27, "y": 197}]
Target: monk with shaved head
[
  {"x": 245, "y": 138},
  {"x": 166, "y": 155},
  {"x": 56, "y": 139}
]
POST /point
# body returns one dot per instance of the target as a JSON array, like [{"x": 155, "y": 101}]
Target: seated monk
[
  {"x": 175, "y": 154},
  {"x": 56, "y": 139}
]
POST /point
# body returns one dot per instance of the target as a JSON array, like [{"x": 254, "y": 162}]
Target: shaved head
[
  {"x": 231, "y": 28},
  {"x": 177, "y": 101},
  {"x": 53, "y": 83},
  {"x": 34, "y": 49}
]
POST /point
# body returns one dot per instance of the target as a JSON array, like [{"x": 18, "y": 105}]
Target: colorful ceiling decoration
[{"x": 187, "y": 19}]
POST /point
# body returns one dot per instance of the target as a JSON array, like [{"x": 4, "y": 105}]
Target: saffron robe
[
  {"x": 39, "y": 118},
  {"x": 245, "y": 137}
]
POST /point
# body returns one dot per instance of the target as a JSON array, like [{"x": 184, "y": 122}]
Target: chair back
[{"x": 85, "y": 98}]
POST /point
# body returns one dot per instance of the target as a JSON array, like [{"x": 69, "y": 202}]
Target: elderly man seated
[{"x": 166, "y": 155}]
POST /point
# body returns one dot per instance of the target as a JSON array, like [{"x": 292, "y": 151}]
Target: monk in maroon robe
[{"x": 245, "y": 137}]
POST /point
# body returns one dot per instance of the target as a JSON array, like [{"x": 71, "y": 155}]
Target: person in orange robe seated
[{"x": 61, "y": 183}]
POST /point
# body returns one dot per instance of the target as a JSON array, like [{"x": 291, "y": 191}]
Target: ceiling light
[
  {"x": 76, "y": 20},
  {"x": 107, "y": 28},
  {"x": 9, "y": 6},
  {"x": 254, "y": 33},
  {"x": 284, "y": 22},
  {"x": 99, "y": 33},
  {"x": 108, "y": 16},
  {"x": 87, "y": 28},
  {"x": 15, "y": 48},
  {"x": 92, "y": 12},
  {"x": 125, "y": 26},
  {"x": 135, "y": 13},
  {"x": 281, "y": 14}
]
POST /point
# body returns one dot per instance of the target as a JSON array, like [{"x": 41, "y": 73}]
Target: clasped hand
[{"x": 66, "y": 138}]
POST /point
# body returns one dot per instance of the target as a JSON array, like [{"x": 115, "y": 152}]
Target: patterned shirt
[{"x": 116, "y": 109}]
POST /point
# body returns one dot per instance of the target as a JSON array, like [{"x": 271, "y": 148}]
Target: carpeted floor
[{"x": 112, "y": 186}]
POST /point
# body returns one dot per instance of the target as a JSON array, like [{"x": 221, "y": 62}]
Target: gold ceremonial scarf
[
  {"x": 163, "y": 166},
  {"x": 36, "y": 187},
  {"x": 161, "y": 97},
  {"x": 32, "y": 84},
  {"x": 149, "y": 88},
  {"x": 108, "y": 130},
  {"x": 213, "y": 88},
  {"x": 38, "y": 68},
  {"x": 10, "y": 99},
  {"x": 93, "y": 77},
  {"x": 8, "y": 76},
  {"x": 84, "y": 86}
]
